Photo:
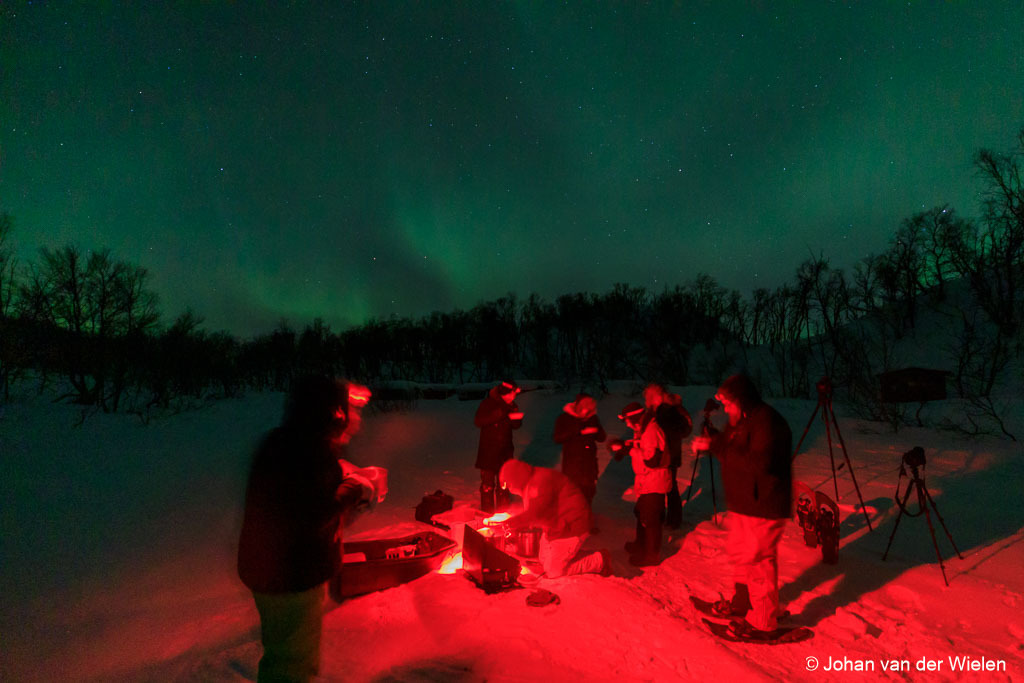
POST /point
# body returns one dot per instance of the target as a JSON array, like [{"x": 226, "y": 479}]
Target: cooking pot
[{"x": 527, "y": 542}]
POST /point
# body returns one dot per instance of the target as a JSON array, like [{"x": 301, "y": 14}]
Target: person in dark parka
[
  {"x": 297, "y": 499},
  {"x": 667, "y": 409},
  {"x": 496, "y": 417},
  {"x": 755, "y": 450},
  {"x": 579, "y": 430}
]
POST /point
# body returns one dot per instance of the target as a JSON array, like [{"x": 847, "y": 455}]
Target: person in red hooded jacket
[
  {"x": 496, "y": 416},
  {"x": 559, "y": 509},
  {"x": 755, "y": 450}
]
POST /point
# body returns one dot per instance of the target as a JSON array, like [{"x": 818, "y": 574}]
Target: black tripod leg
[
  {"x": 902, "y": 505},
  {"x": 693, "y": 477},
  {"x": 921, "y": 500},
  {"x": 849, "y": 466},
  {"x": 828, "y": 436},
  {"x": 935, "y": 507},
  {"x": 806, "y": 429},
  {"x": 714, "y": 500}
]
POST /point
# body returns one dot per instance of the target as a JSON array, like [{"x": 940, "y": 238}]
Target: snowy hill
[{"x": 118, "y": 558}]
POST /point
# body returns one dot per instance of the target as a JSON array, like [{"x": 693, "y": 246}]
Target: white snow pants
[
  {"x": 556, "y": 556},
  {"x": 753, "y": 549}
]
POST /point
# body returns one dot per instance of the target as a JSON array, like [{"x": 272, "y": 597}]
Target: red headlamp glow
[{"x": 358, "y": 395}]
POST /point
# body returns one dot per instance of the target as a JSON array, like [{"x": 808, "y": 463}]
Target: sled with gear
[
  {"x": 378, "y": 564},
  {"x": 739, "y": 631},
  {"x": 818, "y": 516}
]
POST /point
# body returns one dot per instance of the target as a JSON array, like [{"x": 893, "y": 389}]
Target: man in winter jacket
[
  {"x": 555, "y": 505},
  {"x": 297, "y": 499},
  {"x": 651, "y": 483},
  {"x": 496, "y": 417},
  {"x": 667, "y": 408},
  {"x": 579, "y": 431},
  {"x": 755, "y": 451}
]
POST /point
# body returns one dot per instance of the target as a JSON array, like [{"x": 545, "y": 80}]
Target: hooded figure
[
  {"x": 755, "y": 450},
  {"x": 496, "y": 416},
  {"x": 556, "y": 506},
  {"x": 652, "y": 480},
  {"x": 296, "y": 500},
  {"x": 756, "y": 454},
  {"x": 676, "y": 423},
  {"x": 579, "y": 431}
]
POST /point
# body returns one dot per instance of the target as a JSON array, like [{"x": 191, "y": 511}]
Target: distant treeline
[{"x": 89, "y": 324}]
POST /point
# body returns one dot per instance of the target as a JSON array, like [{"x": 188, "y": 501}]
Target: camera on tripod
[
  {"x": 710, "y": 406},
  {"x": 824, "y": 387},
  {"x": 914, "y": 458}
]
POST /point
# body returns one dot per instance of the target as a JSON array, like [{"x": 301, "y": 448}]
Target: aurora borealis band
[{"x": 347, "y": 160}]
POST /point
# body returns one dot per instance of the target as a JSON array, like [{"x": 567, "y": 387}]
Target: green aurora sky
[{"x": 347, "y": 160}]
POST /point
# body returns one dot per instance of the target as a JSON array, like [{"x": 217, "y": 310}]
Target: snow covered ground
[{"x": 118, "y": 559}]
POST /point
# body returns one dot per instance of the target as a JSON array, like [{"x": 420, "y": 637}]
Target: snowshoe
[
  {"x": 739, "y": 631},
  {"x": 828, "y": 528},
  {"x": 806, "y": 510}
]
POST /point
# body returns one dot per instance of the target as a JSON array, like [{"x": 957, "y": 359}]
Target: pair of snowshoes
[
  {"x": 818, "y": 516},
  {"x": 739, "y": 631},
  {"x": 736, "y": 628}
]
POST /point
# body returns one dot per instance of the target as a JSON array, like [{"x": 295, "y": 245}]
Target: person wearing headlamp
[{"x": 755, "y": 451}]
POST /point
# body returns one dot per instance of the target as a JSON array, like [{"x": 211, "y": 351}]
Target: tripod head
[
  {"x": 824, "y": 387},
  {"x": 913, "y": 459},
  {"x": 710, "y": 406}
]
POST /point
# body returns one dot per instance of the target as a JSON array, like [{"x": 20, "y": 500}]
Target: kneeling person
[{"x": 552, "y": 503}]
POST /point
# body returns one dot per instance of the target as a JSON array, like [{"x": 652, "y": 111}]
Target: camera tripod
[
  {"x": 915, "y": 458},
  {"x": 828, "y": 418},
  {"x": 709, "y": 407}
]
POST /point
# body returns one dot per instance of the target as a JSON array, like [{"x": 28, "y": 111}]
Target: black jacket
[
  {"x": 756, "y": 455},
  {"x": 495, "y": 431},
  {"x": 294, "y": 502},
  {"x": 675, "y": 422},
  {"x": 579, "y": 451}
]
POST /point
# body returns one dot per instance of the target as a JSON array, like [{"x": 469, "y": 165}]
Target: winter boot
[
  {"x": 673, "y": 508},
  {"x": 737, "y": 606},
  {"x": 594, "y": 563},
  {"x": 486, "y": 498},
  {"x": 642, "y": 560}
]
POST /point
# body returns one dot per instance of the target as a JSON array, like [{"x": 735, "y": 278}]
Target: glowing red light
[{"x": 358, "y": 395}]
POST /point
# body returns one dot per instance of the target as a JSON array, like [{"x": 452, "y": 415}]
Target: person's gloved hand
[
  {"x": 378, "y": 477},
  {"x": 372, "y": 480},
  {"x": 368, "y": 493}
]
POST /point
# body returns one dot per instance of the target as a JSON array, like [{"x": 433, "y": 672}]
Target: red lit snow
[{"x": 119, "y": 557}]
